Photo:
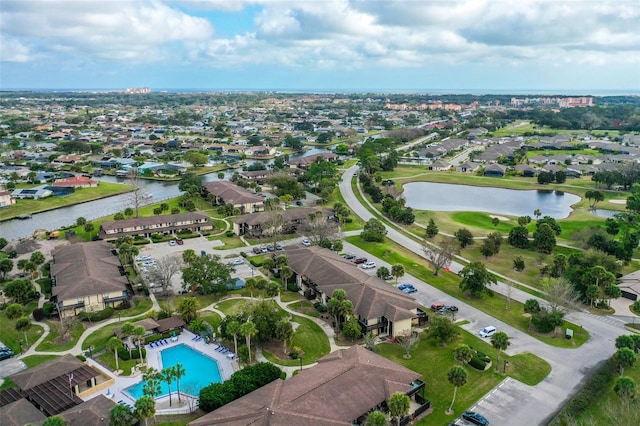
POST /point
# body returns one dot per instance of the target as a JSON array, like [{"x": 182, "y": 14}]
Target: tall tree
[
  {"x": 544, "y": 239},
  {"x": 168, "y": 374},
  {"x": 248, "y": 330},
  {"x": 399, "y": 405},
  {"x": 207, "y": 273},
  {"x": 397, "y": 271},
  {"x": 233, "y": 328},
  {"x": 624, "y": 358},
  {"x": 283, "y": 331},
  {"x": 432, "y": 229},
  {"x": 127, "y": 331},
  {"x": 165, "y": 270},
  {"x": 464, "y": 237},
  {"x": 457, "y": 376},
  {"x": 500, "y": 342},
  {"x": 476, "y": 279},
  {"x": 188, "y": 308},
  {"x": 120, "y": 415},
  {"x": 339, "y": 306},
  {"x": 463, "y": 354},
  {"x": 625, "y": 388},
  {"x": 144, "y": 408},
  {"x": 441, "y": 255},
  {"x": 138, "y": 333},
  {"x": 443, "y": 330},
  {"x": 179, "y": 372},
  {"x": 113, "y": 344}
]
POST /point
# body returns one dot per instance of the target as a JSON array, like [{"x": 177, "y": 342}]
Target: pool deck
[{"x": 226, "y": 366}]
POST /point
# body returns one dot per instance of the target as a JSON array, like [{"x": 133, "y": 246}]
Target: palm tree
[
  {"x": 376, "y": 418},
  {"x": 537, "y": 213},
  {"x": 151, "y": 379},
  {"x": 55, "y": 421},
  {"x": 284, "y": 331},
  {"x": 127, "y": 331},
  {"x": 233, "y": 328},
  {"x": 500, "y": 342},
  {"x": 457, "y": 376},
  {"x": 285, "y": 273},
  {"x": 625, "y": 388},
  {"x": 144, "y": 408},
  {"x": 113, "y": 344},
  {"x": 188, "y": 308},
  {"x": 168, "y": 374},
  {"x": 139, "y": 332},
  {"x": 399, "y": 405},
  {"x": 397, "y": 271},
  {"x": 120, "y": 415},
  {"x": 463, "y": 354},
  {"x": 178, "y": 371},
  {"x": 248, "y": 330}
]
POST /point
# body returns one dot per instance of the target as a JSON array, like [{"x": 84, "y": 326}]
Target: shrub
[
  {"x": 477, "y": 363},
  {"x": 123, "y": 354},
  {"x": 320, "y": 307},
  {"x": 48, "y": 309},
  {"x": 292, "y": 286},
  {"x": 96, "y": 316},
  {"x": 125, "y": 304},
  {"x": 229, "y": 234},
  {"x": 38, "y": 314},
  {"x": 45, "y": 285},
  {"x": 81, "y": 358}
]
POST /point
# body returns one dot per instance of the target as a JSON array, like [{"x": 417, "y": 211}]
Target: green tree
[
  {"x": 6, "y": 265},
  {"x": 464, "y": 237},
  {"x": 592, "y": 294},
  {"x": 544, "y": 239},
  {"x": 81, "y": 221},
  {"x": 443, "y": 330},
  {"x": 151, "y": 378},
  {"x": 13, "y": 311},
  {"x": 113, "y": 344},
  {"x": 168, "y": 374},
  {"x": 376, "y": 418},
  {"x": 476, "y": 279},
  {"x": 3, "y": 242},
  {"x": 463, "y": 354},
  {"x": 626, "y": 341},
  {"x": 89, "y": 228},
  {"x": 233, "y": 328},
  {"x": 188, "y": 308},
  {"x": 441, "y": 255},
  {"x": 373, "y": 231},
  {"x": 139, "y": 332},
  {"x": 144, "y": 409},
  {"x": 196, "y": 158},
  {"x": 397, "y": 271},
  {"x": 624, "y": 358},
  {"x": 55, "y": 421},
  {"x": 179, "y": 372},
  {"x": 127, "y": 331},
  {"x": 457, "y": 376},
  {"x": 120, "y": 415},
  {"x": 518, "y": 263},
  {"x": 399, "y": 405},
  {"x": 339, "y": 306},
  {"x": 625, "y": 388},
  {"x": 283, "y": 331},
  {"x": 432, "y": 229},
  {"x": 207, "y": 273},
  {"x": 23, "y": 324},
  {"x": 500, "y": 342},
  {"x": 519, "y": 237},
  {"x": 37, "y": 257},
  {"x": 351, "y": 329},
  {"x": 248, "y": 330},
  {"x": 383, "y": 272}
]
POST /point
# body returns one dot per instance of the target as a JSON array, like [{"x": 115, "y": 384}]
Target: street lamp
[
  {"x": 300, "y": 362},
  {"x": 506, "y": 364}
]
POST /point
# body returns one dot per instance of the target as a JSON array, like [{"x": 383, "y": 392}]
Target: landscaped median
[{"x": 449, "y": 283}]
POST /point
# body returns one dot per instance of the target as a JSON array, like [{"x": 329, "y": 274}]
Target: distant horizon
[{"x": 434, "y": 92}]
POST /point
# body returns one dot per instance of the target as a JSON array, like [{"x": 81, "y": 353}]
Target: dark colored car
[
  {"x": 299, "y": 203},
  {"x": 437, "y": 306},
  {"x": 257, "y": 250},
  {"x": 360, "y": 260},
  {"x": 407, "y": 288},
  {"x": 179, "y": 241},
  {"x": 452, "y": 308},
  {"x": 475, "y": 418},
  {"x": 349, "y": 256}
]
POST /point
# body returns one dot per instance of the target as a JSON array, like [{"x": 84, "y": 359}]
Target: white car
[
  {"x": 237, "y": 261},
  {"x": 306, "y": 242},
  {"x": 172, "y": 243},
  {"x": 143, "y": 258},
  {"x": 368, "y": 265},
  {"x": 487, "y": 331}
]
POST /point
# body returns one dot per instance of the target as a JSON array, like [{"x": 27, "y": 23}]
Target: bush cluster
[
  {"x": 123, "y": 354},
  {"x": 96, "y": 316},
  {"x": 477, "y": 363},
  {"x": 239, "y": 384}
]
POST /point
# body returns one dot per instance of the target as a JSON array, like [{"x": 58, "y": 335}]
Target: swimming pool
[{"x": 200, "y": 371}]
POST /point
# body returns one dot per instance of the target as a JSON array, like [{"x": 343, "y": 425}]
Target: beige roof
[
  {"x": 92, "y": 412},
  {"x": 21, "y": 412},
  {"x": 169, "y": 220},
  {"x": 86, "y": 269},
  {"x": 231, "y": 193},
  {"x": 343, "y": 386},
  {"x": 44, "y": 372},
  {"x": 371, "y": 296},
  {"x": 631, "y": 282}
]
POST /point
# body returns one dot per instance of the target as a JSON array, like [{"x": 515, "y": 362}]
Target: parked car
[
  {"x": 306, "y": 242},
  {"x": 270, "y": 247},
  {"x": 237, "y": 261},
  {"x": 475, "y": 418},
  {"x": 437, "y": 306},
  {"x": 180, "y": 241},
  {"x": 349, "y": 256},
  {"x": 299, "y": 203},
  {"x": 143, "y": 258},
  {"x": 407, "y": 288},
  {"x": 452, "y": 308},
  {"x": 172, "y": 243},
  {"x": 5, "y": 355},
  {"x": 263, "y": 249},
  {"x": 257, "y": 250},
  {"x": 368, "y": 265},
  {"x": 360, "y": 260},
  {"x": 183, "y": 291},
  {"x": 279, "y": 247},
  {"x": 487, "y": 331}
]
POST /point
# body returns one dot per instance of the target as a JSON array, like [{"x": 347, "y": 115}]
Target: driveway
[{"x": 531, "y": 405}]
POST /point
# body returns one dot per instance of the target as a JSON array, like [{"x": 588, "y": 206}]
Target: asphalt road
[{"x": 511, "y": 402}]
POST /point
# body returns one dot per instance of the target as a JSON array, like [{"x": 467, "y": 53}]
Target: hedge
[
  {"x": 158, "y": 336},
  {"x": 96, "y": 316},
  {"x": 123, "y": 354},
  {"x": 477, "y": 363}
]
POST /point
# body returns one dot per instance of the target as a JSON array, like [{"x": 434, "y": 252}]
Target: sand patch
[
  {"x": 618, "y": 201},
  {"x": 501, "y": 218}
]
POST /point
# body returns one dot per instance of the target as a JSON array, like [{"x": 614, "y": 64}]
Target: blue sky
[{"x": 404, "y": 45}]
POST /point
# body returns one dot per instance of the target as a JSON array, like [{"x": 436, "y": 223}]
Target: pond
[
  {"x": 604, "y": 213},
  {"x": 452, "y": 198}
]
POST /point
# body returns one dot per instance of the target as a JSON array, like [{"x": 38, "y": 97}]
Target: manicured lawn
[
  {"x": 289, "y": 296},
  {"x": 212, "y": 318},
  {"x": 11, "y": 337},
  {"x": 449, "y": 283},
  {"x": 105, "y": 189},
  {"x": 433, "y": 362},
  {"x": 98, "y": 338},
  {"x": 305, "y": 307},
  {"x": 35, "y": 360},
  {"x": 310, "y": 338},
  {"x": 48, "y": 344},
  {"x": 229, "y": 242},
  {"x": 232, "y": 306},
  {"x": 108, "y": 360}
]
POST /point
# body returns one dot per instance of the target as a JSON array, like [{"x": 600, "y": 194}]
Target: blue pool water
[{"x": 200, "y": 371}]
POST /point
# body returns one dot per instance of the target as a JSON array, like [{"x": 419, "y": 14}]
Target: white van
[{"x": 487, "y": 331}]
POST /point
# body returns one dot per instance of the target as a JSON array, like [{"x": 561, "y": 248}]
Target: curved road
[{"x": 513, "y": 402}]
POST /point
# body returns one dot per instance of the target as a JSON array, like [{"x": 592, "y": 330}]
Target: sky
[{"x": 536, "y": 46}]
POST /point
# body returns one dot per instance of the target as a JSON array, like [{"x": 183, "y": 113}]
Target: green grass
[
  {"x": 212, "y": 318},
  {"x": 440, "y": 360},
  {"x": 232, "y": 306},
  {"x": 35, "y": 360},
  {"x": 140, "y": 307},
  {"x": 310, "y": 338},
  {"x": 105, "y": 189},
  {"x": 305, "y": 307},
  {"x": 99, "y": 338},
  {"x": 521, "y": 127},
  {"x": 50, "y": 345},
  {"x": 229, "y": 242},
  {"x": 449, "y": 283},
  {"x": 289, "y": 296},
  {"x": 12, "y": 338},
  {"x": 107, "y": 359}
]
